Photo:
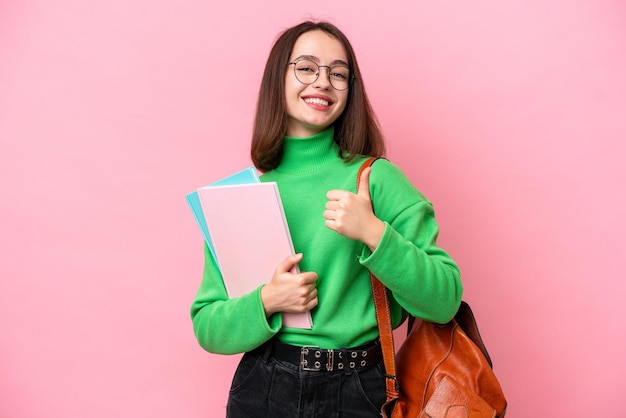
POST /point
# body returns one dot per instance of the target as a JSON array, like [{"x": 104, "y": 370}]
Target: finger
[
  {"x": 289, "y": 263},
  {"x": 364, "y": 183},
  {"x": 332, "y": 205},
  {"x": 311, "y": 295},
  {"x": 309, "y": 278},
  {"x": 334, "y": 195},
  {"x": 311, "y": 304}
]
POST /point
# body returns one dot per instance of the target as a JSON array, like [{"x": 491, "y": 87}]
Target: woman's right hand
[{"x": 289, "y": 292}]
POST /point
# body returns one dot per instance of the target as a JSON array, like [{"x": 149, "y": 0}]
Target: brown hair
[{"x": 356, "y": 130}]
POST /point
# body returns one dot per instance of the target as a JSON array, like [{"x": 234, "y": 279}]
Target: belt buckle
[{"x": 304, "y": 351}]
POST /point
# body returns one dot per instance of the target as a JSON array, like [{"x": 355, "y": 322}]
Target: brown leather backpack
[{"x": 443, "y": 370}]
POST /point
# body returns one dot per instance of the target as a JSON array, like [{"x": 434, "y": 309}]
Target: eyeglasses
[{"x": 307, "y": 72}]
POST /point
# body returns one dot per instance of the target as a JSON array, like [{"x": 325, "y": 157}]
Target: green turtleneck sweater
[{"x": 422, "y": 278}]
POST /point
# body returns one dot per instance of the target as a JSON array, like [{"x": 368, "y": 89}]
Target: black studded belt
[{"x": 311, "y": 358}]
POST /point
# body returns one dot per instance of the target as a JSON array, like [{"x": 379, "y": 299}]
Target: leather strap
[{"x": 383, "y": 317}]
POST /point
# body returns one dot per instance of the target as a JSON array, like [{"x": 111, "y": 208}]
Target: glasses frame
[{"x": 317, "y": 75}]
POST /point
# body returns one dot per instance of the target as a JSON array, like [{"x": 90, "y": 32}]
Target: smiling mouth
[{"x": 317, "y": 101}]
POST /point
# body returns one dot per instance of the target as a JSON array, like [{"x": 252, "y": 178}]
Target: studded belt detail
[{"x": 312, "y": 358}]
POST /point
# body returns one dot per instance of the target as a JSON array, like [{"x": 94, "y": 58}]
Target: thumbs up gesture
[{"x": 351, "y": 214}]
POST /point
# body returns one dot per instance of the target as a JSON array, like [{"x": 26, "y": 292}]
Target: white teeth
[{"x": 316, "y": 101}]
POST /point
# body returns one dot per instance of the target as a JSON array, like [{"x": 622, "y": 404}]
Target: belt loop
[{"x": 330, "y": 364}]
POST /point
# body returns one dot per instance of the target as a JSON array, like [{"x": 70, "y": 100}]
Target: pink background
[{"x": 509, "y": 115}]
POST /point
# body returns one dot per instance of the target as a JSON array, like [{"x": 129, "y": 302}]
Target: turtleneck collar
[{"x": 305, "y": 155}]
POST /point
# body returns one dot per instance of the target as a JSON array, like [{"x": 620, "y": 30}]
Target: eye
[
  {"x": 340, "y": 73},
  {"x": 306, "y": 67}
]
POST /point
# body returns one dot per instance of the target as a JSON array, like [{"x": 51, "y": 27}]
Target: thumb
[
  {"x": 289, "y": 263},
  {"x": 364, "y": 183}
]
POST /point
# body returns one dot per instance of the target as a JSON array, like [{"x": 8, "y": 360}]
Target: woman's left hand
[{"x": 352, "y": 216}]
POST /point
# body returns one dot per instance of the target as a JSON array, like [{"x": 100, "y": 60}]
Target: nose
[{"x": 323, "y": 79}]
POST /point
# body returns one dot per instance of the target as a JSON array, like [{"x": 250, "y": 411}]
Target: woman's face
[{"x": 311, "y": 108}]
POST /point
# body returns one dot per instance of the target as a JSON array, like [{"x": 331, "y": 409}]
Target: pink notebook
[{"x": 250, "y": 235}]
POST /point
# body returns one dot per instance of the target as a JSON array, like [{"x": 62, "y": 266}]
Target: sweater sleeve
[
  {"x": 229, "y": 326},
  {"x": 422, "y": 277}
]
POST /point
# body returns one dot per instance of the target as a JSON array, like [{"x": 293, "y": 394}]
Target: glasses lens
[
  {"x": 339, "y": 77},
  {"x": 306, "y": 71}
]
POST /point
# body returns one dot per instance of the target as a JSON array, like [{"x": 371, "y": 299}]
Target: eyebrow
[{"x": 317, "y": 60}]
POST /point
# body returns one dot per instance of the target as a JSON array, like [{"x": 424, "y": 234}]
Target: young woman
[{"x": 314, "y": 127}]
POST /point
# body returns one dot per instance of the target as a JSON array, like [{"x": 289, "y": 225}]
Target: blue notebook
[{"x": 246, "y": 176}]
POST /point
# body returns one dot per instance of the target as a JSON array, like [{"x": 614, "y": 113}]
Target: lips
[{"x": 318, "y": 101}]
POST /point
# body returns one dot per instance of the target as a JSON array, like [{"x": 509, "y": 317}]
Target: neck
[{"x": 304, "y": 155}]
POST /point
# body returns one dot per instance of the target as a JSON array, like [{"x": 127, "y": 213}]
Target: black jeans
[{"x": 264, "y": 387}]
